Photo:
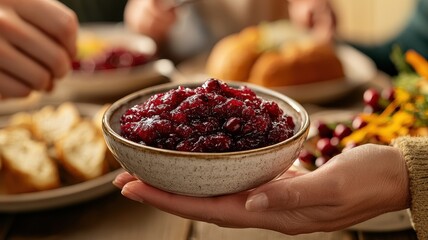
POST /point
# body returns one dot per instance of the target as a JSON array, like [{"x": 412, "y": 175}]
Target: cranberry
[
  {"x": 358, "y": 123},
  {"x": 326, "y": 148},
  {"x": 307, "y": 157},
  {"x": 371, "y": 98},
  {"x": 324, "y": 131},
  {"x": 233, "y": 124},
  {"x": 388, "y": 94},
  {"x": 341, "y": 131},
  {"x": 116, "y": 57},
  {"x": 210, "y": 118}
]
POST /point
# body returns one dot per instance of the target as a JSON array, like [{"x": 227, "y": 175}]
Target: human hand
[
  {"x": 316, "y": 15},
  {"x": 150, "y": 17},
  {"x": 352, "y": 187},
  {"x": 37, "y": 43}
]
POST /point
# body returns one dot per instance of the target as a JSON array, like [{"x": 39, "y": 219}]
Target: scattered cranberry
[
  {"x": 358, "y": 123},
  {"x": 324, "y": 131},
  {"x": 341, "y": 131},
  {"x": 371, "y": 98},
  {"x": 210, "y": 118},
  {"x": 326, "y": 148},
  {"x": 388, "y": 94},
  {"x": 307, "y": 157},
  {"x": 111, "y": 59}
]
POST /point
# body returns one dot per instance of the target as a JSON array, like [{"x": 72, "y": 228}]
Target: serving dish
[
  {"x": 359, "y": 70},
  {"x": 62, "y": 196},
  {"x": 204, "y": 174},
  {"x": 111, "y": 83}
]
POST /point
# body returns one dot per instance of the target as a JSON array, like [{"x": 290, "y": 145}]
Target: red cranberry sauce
[{"x": 210, "y": 118}]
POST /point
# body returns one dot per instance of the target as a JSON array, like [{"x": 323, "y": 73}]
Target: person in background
[{"x": 354, "y": 186}]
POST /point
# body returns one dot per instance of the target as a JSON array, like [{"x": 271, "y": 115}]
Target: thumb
[{"x": 291, "y": 193}]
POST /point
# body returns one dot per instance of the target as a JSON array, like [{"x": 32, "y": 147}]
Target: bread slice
[
  {"x": 82, "y": 152},
  {"x": 26, "y": 164},
  {"x": 50, "y": 124}
]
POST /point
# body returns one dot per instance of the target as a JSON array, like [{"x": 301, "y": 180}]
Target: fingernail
[
  {"x": 258, "y": 202},
  {"x": 118, "y": 184},
  {"x": 131, "y": 195}
]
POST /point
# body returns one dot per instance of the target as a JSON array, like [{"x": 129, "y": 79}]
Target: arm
[
  {"x": 37, "y": 43},
  {"x": 415, "y": 152}
]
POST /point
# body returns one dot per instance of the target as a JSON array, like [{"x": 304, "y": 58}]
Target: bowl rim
[{"x": 107, "y": 129}]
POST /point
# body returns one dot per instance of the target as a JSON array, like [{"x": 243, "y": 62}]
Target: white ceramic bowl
[{"x": 204, "y": 174}]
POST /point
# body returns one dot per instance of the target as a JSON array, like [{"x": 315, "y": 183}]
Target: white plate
[
  {"x": 12, "y": 105},
  {"x": 392, "y": 221},
  {"x": 62, "y": 196},
  {"x": 359, "y": 70},
  {"x": 80, "y": 85}
]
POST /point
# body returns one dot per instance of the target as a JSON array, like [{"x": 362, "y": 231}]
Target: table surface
[{"x": 114, "y": 217}]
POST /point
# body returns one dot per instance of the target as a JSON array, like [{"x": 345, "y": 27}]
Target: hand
[
  {"x": 150, "y": 17},
  {"x": 352, "y": 187},
  {"x": 37, "y": 43},
  {"x": 316, "y": 15}
]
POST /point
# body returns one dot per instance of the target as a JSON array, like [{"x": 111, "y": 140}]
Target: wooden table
[{"x": 115, "y": 217}]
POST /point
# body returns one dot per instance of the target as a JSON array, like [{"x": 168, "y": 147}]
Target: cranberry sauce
[{"x": 212, "y": 118}]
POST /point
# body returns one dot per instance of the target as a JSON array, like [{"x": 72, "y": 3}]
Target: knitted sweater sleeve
[{"x": 415, "y": 152}]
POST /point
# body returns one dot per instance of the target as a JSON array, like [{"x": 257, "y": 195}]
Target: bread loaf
[
  {"x": 297, "y": 63},
  {"x": 246, "y": 57}
]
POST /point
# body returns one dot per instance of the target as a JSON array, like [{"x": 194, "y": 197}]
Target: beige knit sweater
[{"x": 415, "y": 152}]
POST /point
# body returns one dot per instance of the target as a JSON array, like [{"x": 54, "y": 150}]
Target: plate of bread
[
  {"x": 54, "y": 156},
  {"x": 284, "y": 58}
]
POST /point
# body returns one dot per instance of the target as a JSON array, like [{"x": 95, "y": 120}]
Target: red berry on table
[
  {"x": 371, "y": 97},
  {"x": 358, "y": 123},
  {"x": 307, "y": 157},
  {"x": 388, "y": 94},
  {"x": 324, "y": 131},
  {"x": 326, "y": 148},
  {"x": 341, "y": 131}
]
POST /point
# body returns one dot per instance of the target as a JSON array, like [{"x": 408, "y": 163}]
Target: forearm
[{"x": 415, "y": 152}]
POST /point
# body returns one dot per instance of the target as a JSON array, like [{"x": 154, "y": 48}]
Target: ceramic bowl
[{"x": 204, "y": 174}]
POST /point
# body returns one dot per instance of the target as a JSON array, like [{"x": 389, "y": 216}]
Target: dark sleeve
[
  {"x": 414, "y": 36},
  {"x": 97, "y": 10}
]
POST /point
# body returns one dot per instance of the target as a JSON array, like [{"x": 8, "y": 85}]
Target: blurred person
[
  {"x": 194, "y": 28},
  {"x": 352, "y": 187}
]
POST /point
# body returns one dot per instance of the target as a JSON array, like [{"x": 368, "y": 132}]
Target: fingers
[
  {"x": 22, "y": 69},
  {"x": 224, "y": 210},
  {"x": 10, "y": 88},
  {"x": 292, "y": 193},
  {"x": 35, "y": 44},
  {"x": 53, "y": 18},
  {"x": 150, "y": 17},
  {"x": 123, "y": 179}
]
